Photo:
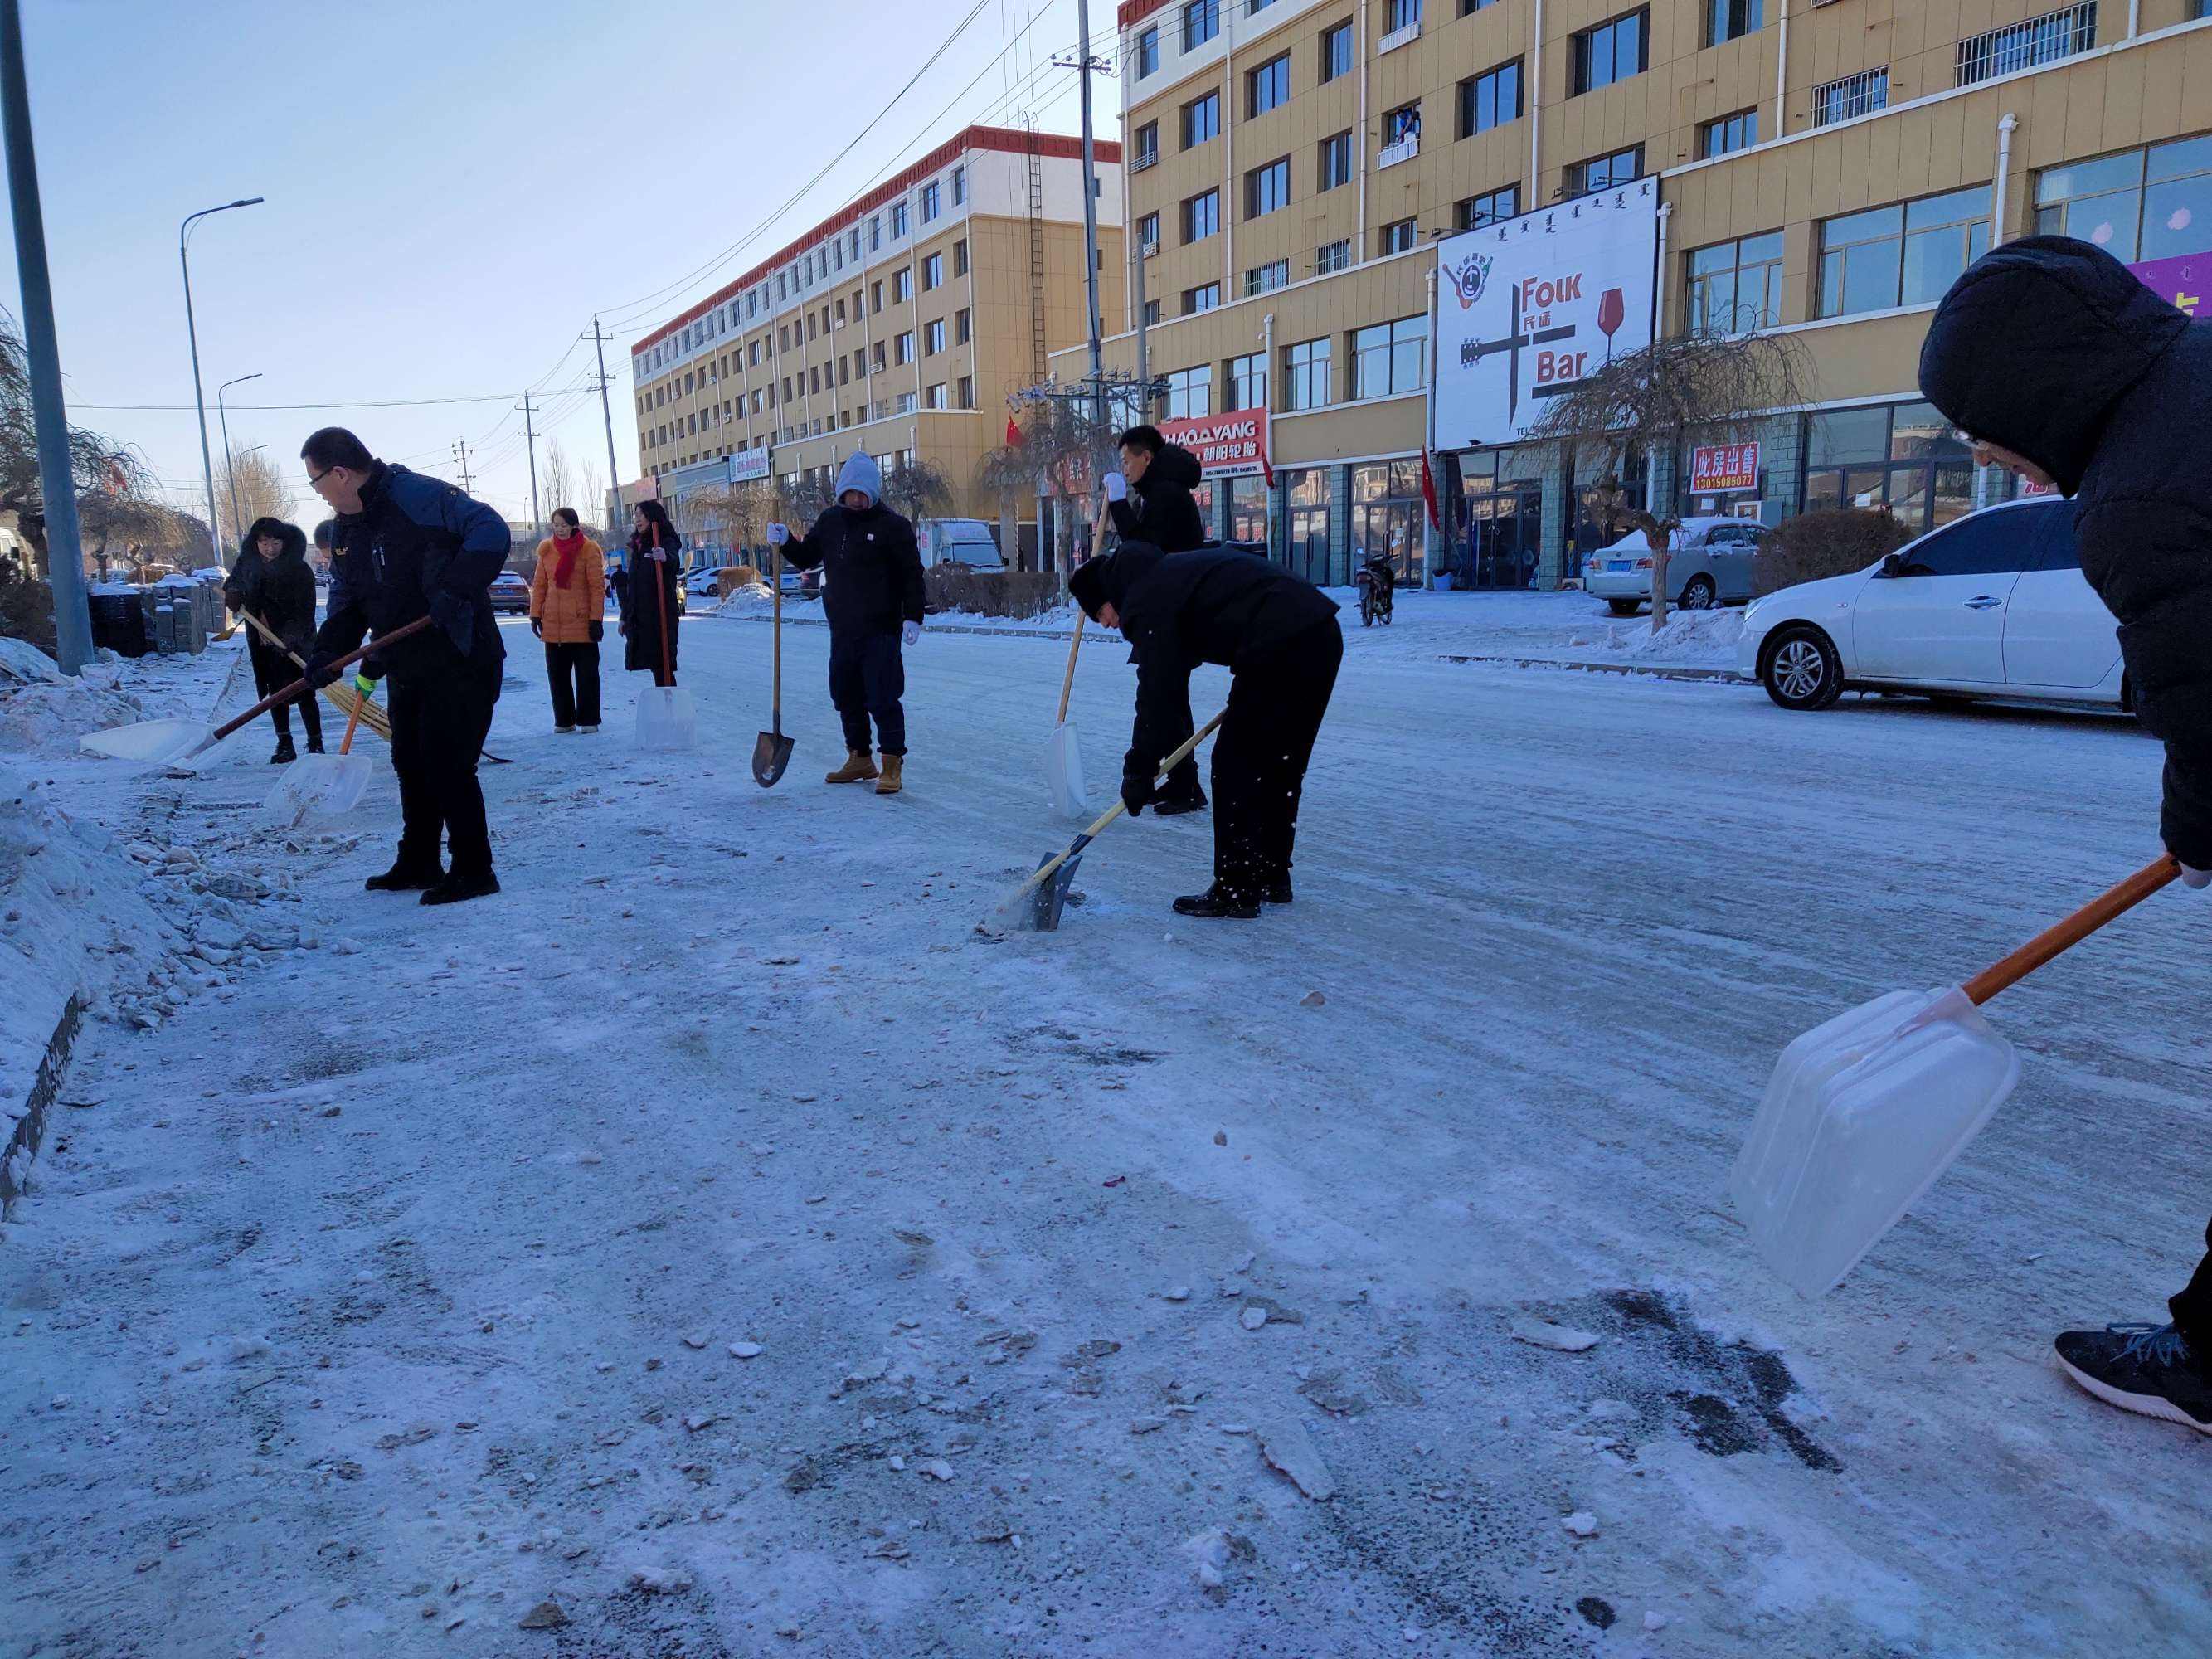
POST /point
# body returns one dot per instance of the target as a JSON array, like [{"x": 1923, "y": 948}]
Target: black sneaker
[
  {"x": 1171, "y": 806},
  {"x": 457, "y": 887},
  {"x": 314, "y": 745},
  {"x": 1219, "y": 902},
  {"x": 285, "y": 754},
  {"x": 1277, "y": 892},
  {"x": 405, "y": 877},
  {"x": 2145, "y": 1369}
]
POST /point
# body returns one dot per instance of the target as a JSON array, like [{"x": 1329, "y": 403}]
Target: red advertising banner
[
  {"x": 1717, "y": 468},
  {"x": 1227, "y": 446}
]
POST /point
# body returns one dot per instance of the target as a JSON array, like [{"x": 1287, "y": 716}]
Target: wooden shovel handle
[
  {"x": 298, "y": 685},
  {"x": 352, "y": 721},
  {"x": 2071, "y": 931},
  {"x": 1075, "y": 645}
]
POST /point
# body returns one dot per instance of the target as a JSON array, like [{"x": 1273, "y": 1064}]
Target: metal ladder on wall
[{"x": 1037, "y": 248}]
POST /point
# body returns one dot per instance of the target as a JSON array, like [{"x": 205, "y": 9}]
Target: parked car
[
  {"x": 509, "y": 592},
  {"x": 1991, "y": 605},
  {"x": 968, "y": 542},
  {"x": 1709, "y": 562},
  {"x": 704, "y": 583}
]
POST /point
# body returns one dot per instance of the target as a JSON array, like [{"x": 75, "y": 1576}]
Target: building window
[
  {"x": 902, "y": 348},
  {"x": 932, "y": 337},
  {"x": 1267, "y": 188},
  {"x": 1905, "y": 457},
  {"x": 1246, "y": 383},
  {"x": 1268, "y": 87},
  {"x": 1331, "y": 256},
  {"x": 1402, "y": 123},
  {"x": 1612, "y": 52},
  {"x": 1402, "y": 14},
  {"x": 1201, "y": 119},
  {"x": 1736, "y": 287},
  {"x": 2150, "y": 204},
  {"x": 967, "y": 394},
  {"x": 1335, "y": 167},
  {"x": 1336, "y": 53},
  {"x": 1498, "y": 206},
  {"x": 875, "y": 234},
  {"x": 939, "y": 397},
  {"x": 1305, "y": 374},
  {"x": 1850, "y": 97},
  {"x": 899, "y": 220},
  {"x": 1398, "y": 237},
  {"x": 959, "y": 185},
  {"x": 1202, "y": 216},
  {"x": 1902, "y": 255},
  {"x": 933, "y": 272},
  {"x": 905, "y": 403},
  {"x": 1148, "y": 233},
  {"x": 960, "y": 258},
  {"x": 1391, "y": 358},
  {"x": 878, "y": 356},
  {"x": 1490, "y": 100},
  {"x": 1195, "y": 300},
  {"x": 876, "y": 299},
  {"x": 1728, "y": 134},
  {"x": 1727, "y": 19},
  {"x": 1148, "y": 53},
  {"x": 2017, "y": 46},
  {"x": 1152, "y": 313},
  {"x": 964, "y": 329},
  {"x": 1147, "y": 150},
  {"x": 933, "y": 202},
  {"x": 1266, "y": 279},
  {"x": 1202, "y": 22},
  {"x": 1387, "y": 518},
  {"x": 1606, "y": 171},
  {"x": 1190, "y": 392},
  {"x": 903, "y": 285}
]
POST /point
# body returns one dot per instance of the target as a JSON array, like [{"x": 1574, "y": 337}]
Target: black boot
[
  {"x": 285, "y": 754},
  {"x": 1276, "y": 889},
  {"x": 1177, "y": 802},
  {"x": 314, "y": 745},
  {"x": 457, "y": 887},
  {"x": 404, "y": 876},
  {"x": 1219, "y": 902}
]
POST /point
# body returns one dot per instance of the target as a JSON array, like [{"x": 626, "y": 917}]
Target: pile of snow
[
  {"x": 43, "y": 712},
  {"x": 1703, "y": 638}
]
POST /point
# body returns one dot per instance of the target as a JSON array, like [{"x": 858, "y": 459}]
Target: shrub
[
  {"x": 27, "y": 607},
  {"x": 1831, "y": 542},
  {"x": 1018, "y": 594}
]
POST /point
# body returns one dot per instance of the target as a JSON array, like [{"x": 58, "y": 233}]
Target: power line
[{"x": 387, "y": 402}]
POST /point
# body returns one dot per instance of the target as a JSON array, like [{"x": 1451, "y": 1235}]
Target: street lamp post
[
  {"x": 230, "y": 461},
  {"x": 192, "y": 333}
]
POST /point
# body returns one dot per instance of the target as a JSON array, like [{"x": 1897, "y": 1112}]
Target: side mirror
[{"x": 1893, "y": 565}]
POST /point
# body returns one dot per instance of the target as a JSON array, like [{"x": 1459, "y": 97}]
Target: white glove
[
  {"x": 1117, "y": 486},
  {"x": 2196, "y": 877},
  {"x": 778, "y": 534},
  {"x": 656, "y": 555},
  {"x": 911, "y": 634}
]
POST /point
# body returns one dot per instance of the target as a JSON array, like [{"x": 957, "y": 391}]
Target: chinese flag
[
  {"x": 1428, "y": 491},
  {"x": 1014, "y": 434}
]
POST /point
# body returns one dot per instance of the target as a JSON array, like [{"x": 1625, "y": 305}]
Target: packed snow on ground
[{"x": 714, "y": 1244}]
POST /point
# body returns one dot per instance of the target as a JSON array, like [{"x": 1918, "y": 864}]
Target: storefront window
[
  {"x": 1903, "y": 457},
  {"x": 2142, "y": 205},
  {"x": 1387, "y": 518},
  {"x": 1247, "y": 510},
  {"x": 1498, "y": 542},
  {"x": 1306, "y": 546}
]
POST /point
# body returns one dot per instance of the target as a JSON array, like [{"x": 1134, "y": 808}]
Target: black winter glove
[
  {"x": 598, "y": 631},
  {"x": 537, "y": 627},
  {"x": 318, "y": 672},
  {"x": 1137, "y": 792}
]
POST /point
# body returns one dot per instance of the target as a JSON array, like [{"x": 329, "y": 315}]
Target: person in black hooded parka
[
  {"x": 2056, "y": 363},
  {"x": 273, "y": 580},
  {"x": 1150, "y": 500},
  {"x": 1279, "y": 636},
  {"x": 655, "y": 551}
]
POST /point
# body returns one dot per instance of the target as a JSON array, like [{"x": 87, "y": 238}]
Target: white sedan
[{"x": 1993, "y": 605}]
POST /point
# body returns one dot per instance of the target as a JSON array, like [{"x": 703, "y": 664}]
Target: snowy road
[{"x": 715, "y": 1236}]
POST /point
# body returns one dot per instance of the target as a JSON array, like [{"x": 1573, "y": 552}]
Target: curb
[
  {"x": 1654, "y": 670},
  {"x": 31, "y": 1128}
]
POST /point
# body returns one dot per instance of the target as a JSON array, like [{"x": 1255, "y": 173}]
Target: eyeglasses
[{"x": 314, "y": 478}]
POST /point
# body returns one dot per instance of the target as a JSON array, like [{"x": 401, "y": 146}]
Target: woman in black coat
[
  {"x": 273, "y": 580},
  {"x": 655, "y": 554}
]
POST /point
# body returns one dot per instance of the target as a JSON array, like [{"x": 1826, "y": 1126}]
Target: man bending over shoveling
[
  {"x": 1279, "y": 638},
  {"x": 2055, "y": 363}
]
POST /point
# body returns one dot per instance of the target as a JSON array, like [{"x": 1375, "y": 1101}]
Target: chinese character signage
[
  {"x": 747, "y": 466},
  {"x": 1717, "y": 469},
  {"x": 1227, "y": 446}
]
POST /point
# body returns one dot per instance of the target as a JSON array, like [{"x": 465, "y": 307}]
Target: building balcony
[
  {"x": 1399, "y": 37},
  {"x": 1404, "y": 149}
]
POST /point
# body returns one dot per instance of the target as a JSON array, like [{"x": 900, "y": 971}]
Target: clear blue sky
[{"x": 454, "y": 188}]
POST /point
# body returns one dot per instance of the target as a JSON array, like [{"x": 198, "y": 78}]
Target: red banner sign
[
  {"x": 1227, "y": 446},
  {"x": 1717, "y": 468}
]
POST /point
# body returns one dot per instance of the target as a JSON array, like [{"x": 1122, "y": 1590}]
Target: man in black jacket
[
  {"x": 1162, "y": 513},
  {"x": 2056, "y": 363},
  {"x": 1279, "y": 636},
  {"x": 271, "y": 580},
  {"x": 407, "y": 546},
  {"x": 872, "y": 594}
]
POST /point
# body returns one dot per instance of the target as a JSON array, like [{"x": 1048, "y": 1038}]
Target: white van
[{"x": 968, "y": 542}]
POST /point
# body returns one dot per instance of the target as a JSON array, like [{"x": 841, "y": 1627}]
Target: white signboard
[
  {"x": 1527, "y": 307},
  {"x": 748, "y": 465}
]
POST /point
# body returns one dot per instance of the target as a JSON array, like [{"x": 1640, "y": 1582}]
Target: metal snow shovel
[
  {"x": 771, "y": 749},
  {"x": 172, "y": 743},
  {"x": 667, "y": 718},
  {"x": 1063, "y": 761},
  {"x": 324, "y": 786},
  {"x": 1865, "y": 1113},
  {"x": 1044, "y": 895}
]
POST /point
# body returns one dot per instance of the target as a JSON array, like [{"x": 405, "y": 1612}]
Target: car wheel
[
  {"x": 1700, "y": 595},
  {"x": 1801, "y": 670},
  {"x": 1624, "y": 607}
]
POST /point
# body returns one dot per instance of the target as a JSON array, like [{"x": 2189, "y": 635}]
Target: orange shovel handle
[
  {"x": 2071, "y": 931},
  {"x": 352, "y": 721}
]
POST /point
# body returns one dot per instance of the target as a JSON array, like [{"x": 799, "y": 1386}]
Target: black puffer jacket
[
  {"x": 2051, "y": 348},
  {"x": 280, "y": 591},
  {"x": 1179, "y": 610},
  {"x": 870, "y": 568},
  {"x": 1160, "y": 511},
  {"x": 643, "y": 607}
]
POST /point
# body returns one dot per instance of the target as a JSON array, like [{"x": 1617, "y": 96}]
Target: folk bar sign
[
  {"x": 1529, "y": 307},
  {"x": 1231, "y": 445},
  {"x": 1720, "y": 469}
]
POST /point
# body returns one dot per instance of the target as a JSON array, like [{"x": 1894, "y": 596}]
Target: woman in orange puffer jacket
[{"x": 567, "y": 608}]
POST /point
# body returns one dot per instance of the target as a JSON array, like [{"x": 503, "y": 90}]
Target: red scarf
[{"x": 564, "y": 566}]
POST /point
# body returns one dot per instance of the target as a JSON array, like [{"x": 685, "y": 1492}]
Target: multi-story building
[
  {"x": 897, "y": 325},
  {"x": 1823, "y": 167}
]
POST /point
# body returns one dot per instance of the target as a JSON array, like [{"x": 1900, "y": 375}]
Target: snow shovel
[
  {"x": 771, "y": 749},
  {"x": 1063, "y": 761},
  {"x": 172, "y": 743},
  {"x": 1044, "y": 895},
  {"x": 667, "y": 718},
  {"x": 1865, "y": 1113},
  {"x": 324, "y": 786}
]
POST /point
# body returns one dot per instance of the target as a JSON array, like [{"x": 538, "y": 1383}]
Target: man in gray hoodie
[{"x": 871, "y": 595}]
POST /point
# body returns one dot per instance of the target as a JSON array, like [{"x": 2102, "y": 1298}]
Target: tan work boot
[
  {"x": 857, "y": 768},
  {"x": 894, "y": 775}
]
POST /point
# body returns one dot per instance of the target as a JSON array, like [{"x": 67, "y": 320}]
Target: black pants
[
  {"x": 2192, "y": 1309},
  {"x": 272, "y": 671},
  {"x": 441, "y": 716},
  {"x": 867, "y": 677},
  {"x": 1182, "y": 782},
  {"x": 1275, "y": 708},
  {"x": 574, "y": 673}
]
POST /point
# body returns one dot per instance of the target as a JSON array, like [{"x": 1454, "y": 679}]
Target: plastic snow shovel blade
[
  {"x": 1063, "y": 767},
  {"x": 150, "y": 743},
  {"x": 318, "y": 786},
  {"x": 1862, "y": 1115},
  {"x": 771, "y": 754},
  {"x": 667, "y": 718},
  {"x": 1049, "y": 897}
]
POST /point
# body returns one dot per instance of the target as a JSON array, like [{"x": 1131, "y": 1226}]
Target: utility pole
[
  {"x": 607, "y": 413},
  {"x": 461, "y": 460},
  {"x": 64, "y": 546},
  {"x": 530, "y": 436},
  {"x": 1083, "y": 68}
]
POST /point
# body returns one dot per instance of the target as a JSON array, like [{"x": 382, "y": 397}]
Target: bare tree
[
  {"x": 558, "y": 479},
  {"x": 743, "y": 511},
  {"x": 919, "y": 490},
  {"x": 1063, "y": 453},
  {"x": 1694, "y": 388},
  {"x": 261, "y": 491},
  {"x": 590, "y": 500},
  {"x": 99, "y": 465}
]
